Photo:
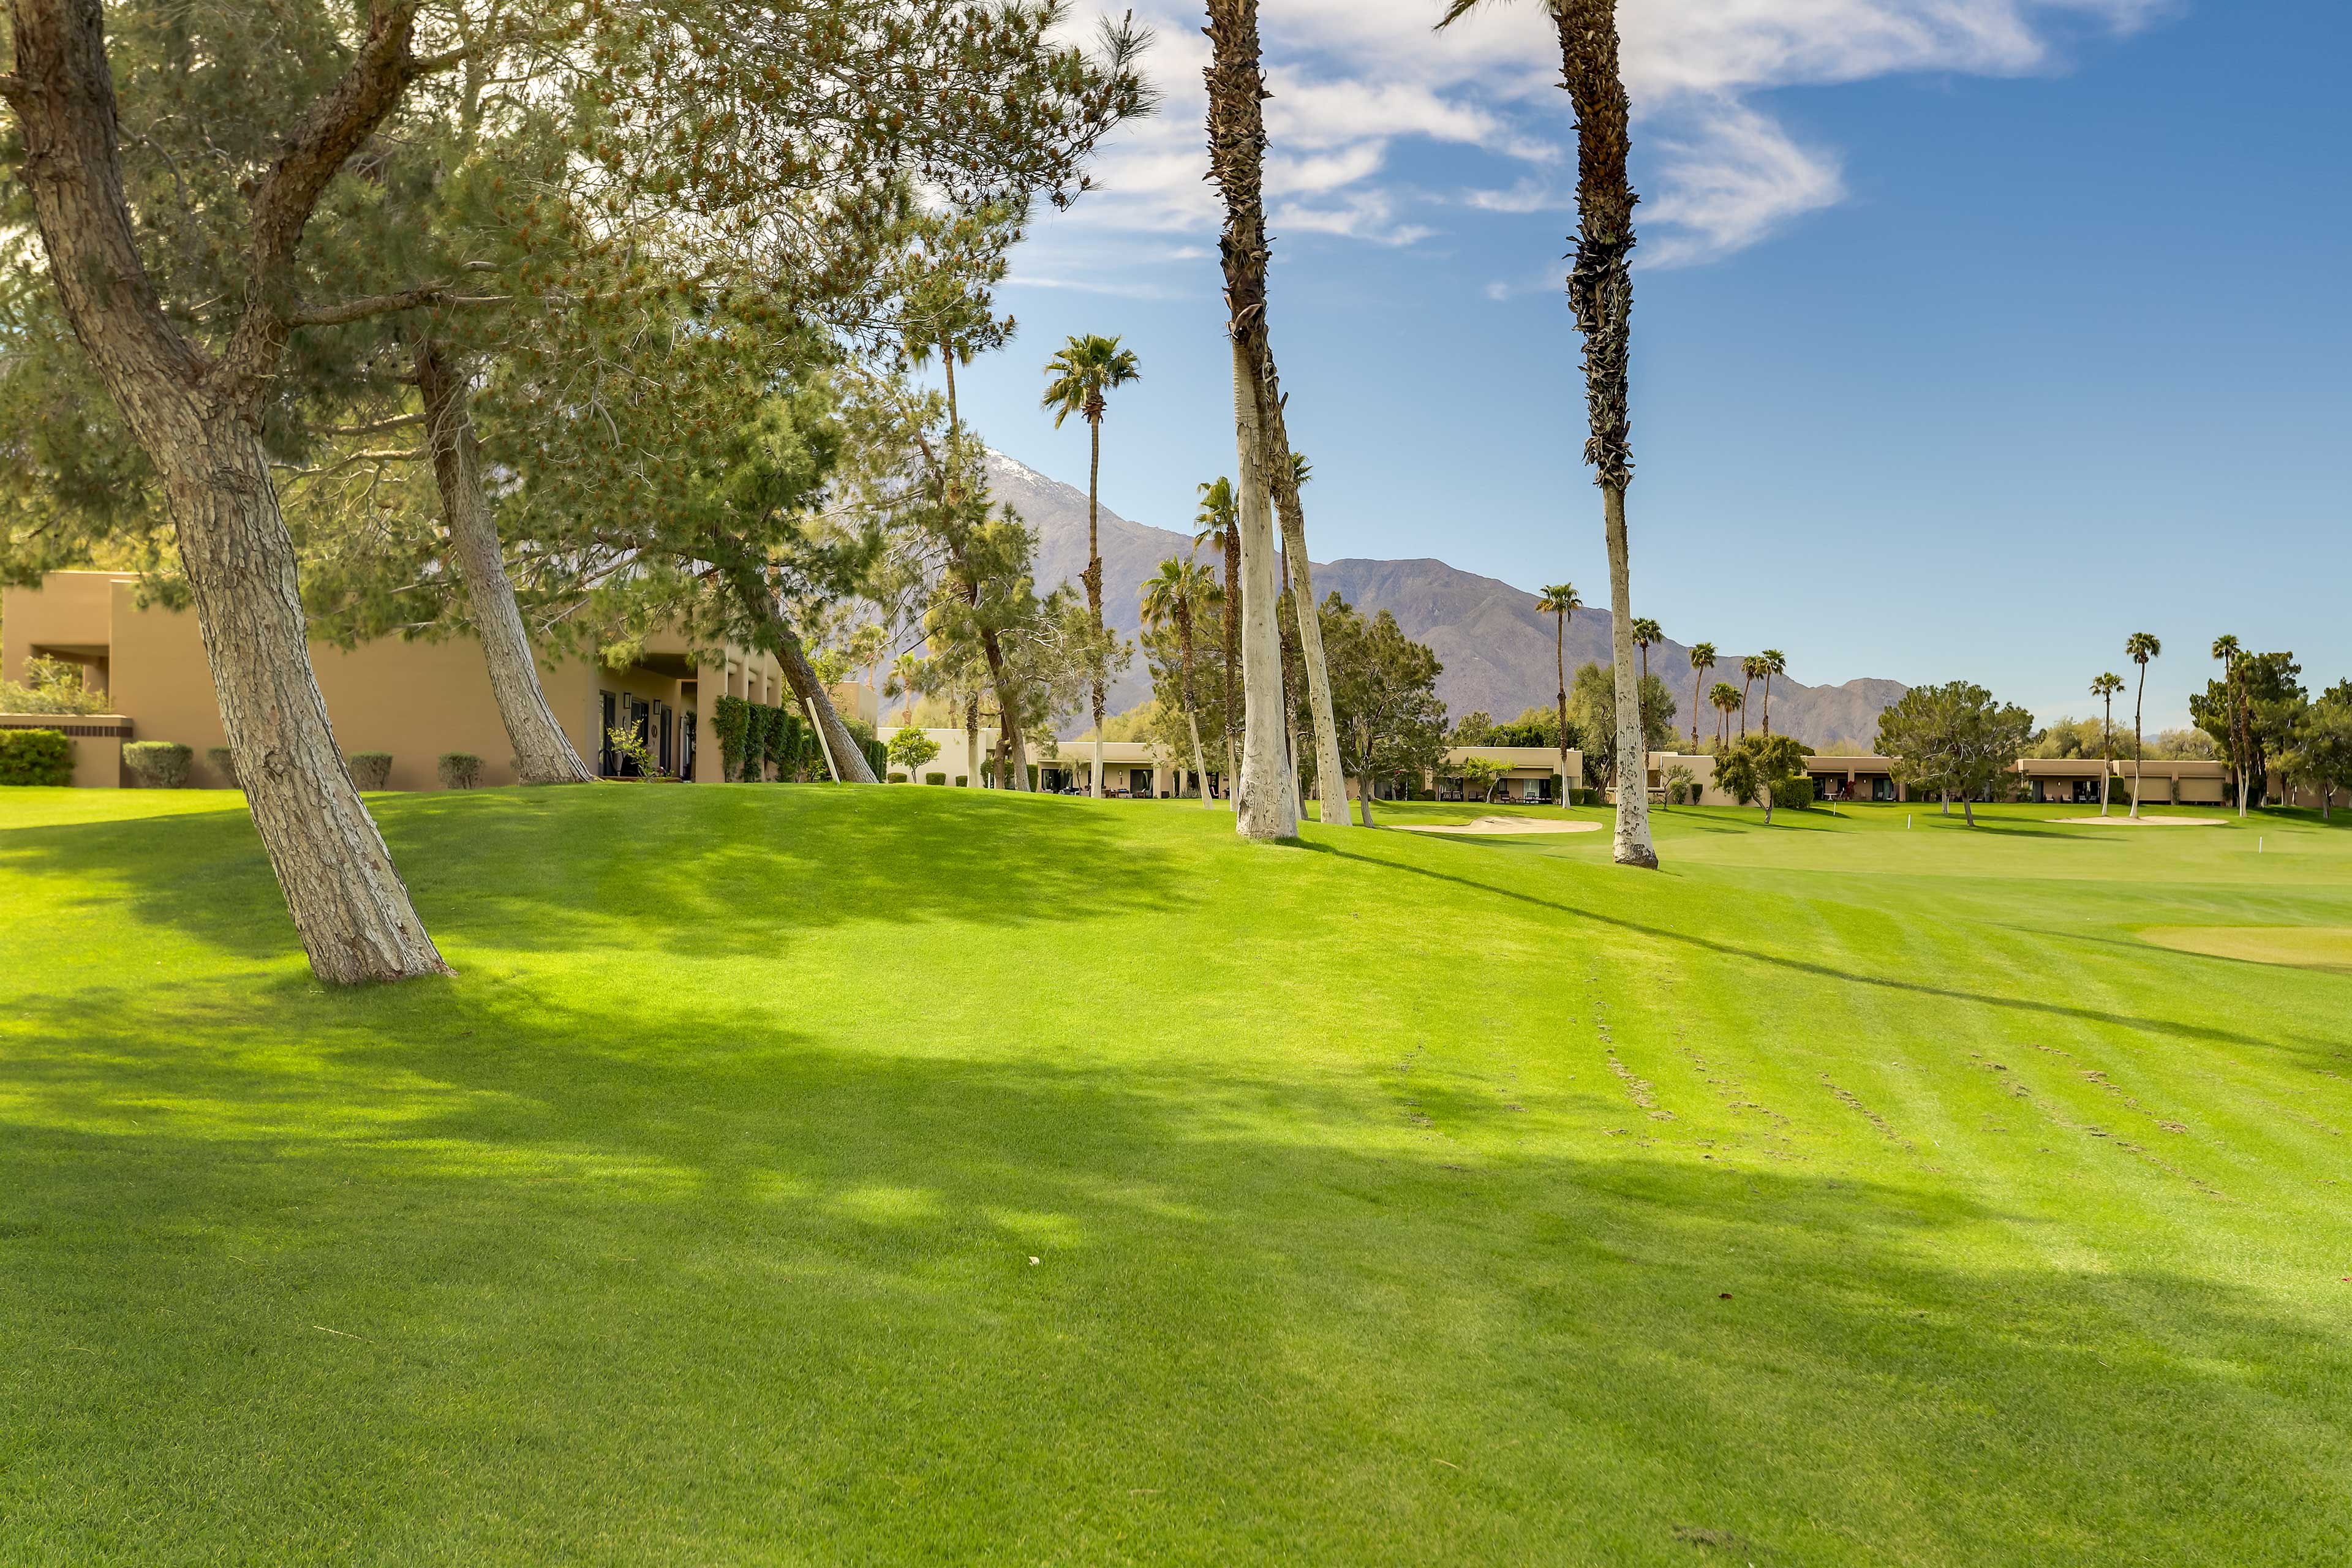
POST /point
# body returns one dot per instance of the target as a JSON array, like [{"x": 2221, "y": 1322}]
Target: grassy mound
[{"x": 928, "y": 1175}]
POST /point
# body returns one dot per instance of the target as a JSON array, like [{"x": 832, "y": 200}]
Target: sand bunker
[
  {"x": 2119, "y": 820},
  {"x": 1484, "y": 825},
  {"x": 2301, "y": 947}
]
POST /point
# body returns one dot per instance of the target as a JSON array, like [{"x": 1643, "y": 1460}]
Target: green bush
[
  {"x": 895, "y": 778},
  {"x": 459, "y": 770},
  {"x": 1793, "y": 794},
  {"x": 730, "y": 721},
  {"x": 51, "y": 686},
  {"x": 221, "y": 760},
  {"x": 36, "y": 757},
  {"x": 371, "y": 770},
  {"x": 158, "y": 765},
  {"x": 935, "y": 778}
]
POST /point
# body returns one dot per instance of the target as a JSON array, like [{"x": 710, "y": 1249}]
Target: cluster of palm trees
[{"x": 1726, "y": 699}]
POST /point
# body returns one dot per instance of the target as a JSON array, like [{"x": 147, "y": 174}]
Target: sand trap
[
  {"x": 2120, "y": 820},
  {"x": 1484, "y": 825},
  {"x": 2300, "y": 947}
]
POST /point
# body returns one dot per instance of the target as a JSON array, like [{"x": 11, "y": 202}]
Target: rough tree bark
[
  {"x": 198, "y": 420},
  {"x": 843, "y": 755},
  {"x": 971, "y": 740},
  {"x": 543, "y": 752},
  {"x": 1230, "y": 627},
  {"x": 1600, "y": 291},
  {"x": 1236, "y": 160}
]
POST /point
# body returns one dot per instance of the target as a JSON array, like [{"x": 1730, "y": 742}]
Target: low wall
[{"x": 97, "y": 740}]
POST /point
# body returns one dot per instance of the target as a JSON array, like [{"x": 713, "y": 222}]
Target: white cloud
[{"x": 1354, "y": 78}]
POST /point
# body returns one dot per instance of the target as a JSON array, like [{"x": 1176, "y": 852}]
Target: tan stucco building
[{"x": 415, "y": 700}]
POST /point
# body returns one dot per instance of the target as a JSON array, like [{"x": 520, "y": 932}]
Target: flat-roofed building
[{"x": 412, "y": 701}]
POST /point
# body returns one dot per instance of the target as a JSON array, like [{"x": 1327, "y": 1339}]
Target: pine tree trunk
[
  {"x": 972, "y": 740},
  {"x": 198, "y": 421},
  {"x": 543, "y": 752},
  {"x": 1008, "y": 710},
  {"x": 1200, "y": 763},
  {"x": 1237, "y": 162},
  {"x": 843, "y": 756},
  {"x": 1364, "y": 797}
]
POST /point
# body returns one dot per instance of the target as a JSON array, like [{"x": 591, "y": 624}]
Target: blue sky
[{"x": 1974, "y": 335}]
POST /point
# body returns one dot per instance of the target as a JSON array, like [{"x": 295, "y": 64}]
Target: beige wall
[
  {"x": 97, "y": 739},
  {"x": 413, "y": 699}
]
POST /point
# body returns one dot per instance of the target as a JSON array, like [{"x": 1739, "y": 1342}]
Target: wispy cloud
[{"x": 1353, "y": 79}]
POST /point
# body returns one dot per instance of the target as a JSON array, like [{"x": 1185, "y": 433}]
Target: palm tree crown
[
  {"x": 2140, "y": 647},
  {"x": 1702, "y": 659},
  {"x": 1081, "y": 371},
  {"x": 1179, "y": 590}
]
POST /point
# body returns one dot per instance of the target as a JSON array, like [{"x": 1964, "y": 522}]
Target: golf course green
[{"x": 797, "y": 1175}]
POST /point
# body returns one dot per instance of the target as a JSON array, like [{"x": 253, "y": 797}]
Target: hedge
[
  {"x": 730, "y": 721},
  {"x": 36, "y": 757},
  {"x": 371, "y": 770},
  {"x": 935, "y": 778},
  {"x": 459, "y": 770},
  {"x": 221, "y": 760},
  {"x": 158, "y": 765}
]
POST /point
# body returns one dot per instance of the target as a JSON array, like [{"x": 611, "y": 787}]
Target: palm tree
[
  {"x": 2226, "y": 650},
  {"x": 1331, "y": 774},
  {"x": 1702, "y": 659},
  {"x": 1218, "y": 520},
  {"x": 2104, "y": 688},
  {"x": 1601, "y": 293},
  {"x": 1561, "y": 601},
  {"x": 1236, "y": 84},
  {"x": 1173, "y": 596},
  {"x": 1773, "y": 662},
  {"x": 1646, "y": 636},
  {"x": 1727, "y": 702},
  {"x": 1076, "y": 380},
  {"x": 1750, "y": 669},
  {"x": 2140, "y": 647}
]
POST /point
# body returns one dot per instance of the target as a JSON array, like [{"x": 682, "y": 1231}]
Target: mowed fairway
[{"x": 914, "y": 1175}]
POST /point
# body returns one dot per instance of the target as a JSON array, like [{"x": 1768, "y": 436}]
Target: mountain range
[{"x": 1497, "y": 647}]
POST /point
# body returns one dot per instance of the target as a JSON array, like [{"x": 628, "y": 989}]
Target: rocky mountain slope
[{"x": 1497, "y": 648}]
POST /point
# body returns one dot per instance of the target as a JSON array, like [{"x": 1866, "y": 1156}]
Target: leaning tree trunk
[
  {"x": 1236, "y": 160},
  {"x": 1230, "y": 629},
  {"x": 1330, "y": 777},
  {"x": 198, "y": 421},
  {"x": 1364, "y": 797},
  {"x": 971, "y": 740},
  {"x": 543, "y": 752},
  {"x": 843, "y": 754},
  {"x": 1600, "y": 291},
  {"x": 1200, "y": 763}
]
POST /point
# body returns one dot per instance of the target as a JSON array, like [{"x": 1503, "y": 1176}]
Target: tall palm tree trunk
[
  {"x": 1329, "y": 778},
  {"x": 543, "y": 752},
  {"x": 199, "y": 421},
  {"x": 2106, "y": 752},
  {"x": 2139, "y": 749},
  {"x": 1768, "y": 704},
  {"x": 1698, "y": 685},
  {"x": 1560, "y": 657},
  {"x": 1236, "y": 158},
  {"x": 1094, "y": 575},
  {"x": 1600, "y": 291}
]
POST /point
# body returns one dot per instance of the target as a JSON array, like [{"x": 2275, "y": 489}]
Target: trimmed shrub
[
  {"x": 935, "y": 778},
  {"x": 459, "y": 770},
  {"x": 1793, "y": 794},
  {"x": 44, "y": 757},
  {"x": 371, "y": 770},
  {"x": 897, "y": 778},
  {"x": 221, "y": 760},
  {"x": 158, "y": 765},
  {"x": 730, "y": 721}
]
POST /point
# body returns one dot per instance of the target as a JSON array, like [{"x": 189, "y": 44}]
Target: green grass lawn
[{"x": 923, "y": 1176}]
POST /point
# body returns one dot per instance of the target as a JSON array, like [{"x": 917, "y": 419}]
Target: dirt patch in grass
[{"x": 1483, "y": 824}]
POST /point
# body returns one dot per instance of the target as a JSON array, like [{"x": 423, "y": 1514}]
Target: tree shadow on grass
[
  {"x": 2178, "y": 1027},
  {"x": 708, "y": 871},
  {"x": 499, "y": 1280}
]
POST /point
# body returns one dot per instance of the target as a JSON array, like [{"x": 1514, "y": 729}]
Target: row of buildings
[{"x": 416, "y": 700}]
